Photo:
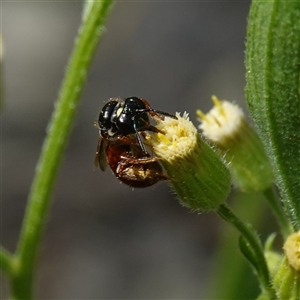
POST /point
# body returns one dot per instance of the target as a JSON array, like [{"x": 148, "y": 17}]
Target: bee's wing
[{"x": 100, "y": 156}]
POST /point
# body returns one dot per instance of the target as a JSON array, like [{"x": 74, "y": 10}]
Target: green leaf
[{"x": 273, "y": 65}]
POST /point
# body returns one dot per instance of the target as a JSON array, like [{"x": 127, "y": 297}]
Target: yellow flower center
[
  {"x": 178, "y": 140},
  {"x": 292, "y": 250}
]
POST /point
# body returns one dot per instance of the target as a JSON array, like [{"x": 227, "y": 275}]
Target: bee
[
  {"x": 121, "y": 125},
  {"x": 130, "y": 165},
  {"x": 119, "y": 119}
]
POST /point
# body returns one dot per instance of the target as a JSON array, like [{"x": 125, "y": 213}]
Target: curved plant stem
[
  {"x": 278, "y": 211},
  {"x": 6, "y": 262},
  {"x": 251, "y": 238},
  {"x": 60, "y": 126},
  {"x": 241, "y": 283}
]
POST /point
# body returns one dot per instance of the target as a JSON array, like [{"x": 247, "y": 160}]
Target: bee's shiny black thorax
[{"x": 119, "y": 118}]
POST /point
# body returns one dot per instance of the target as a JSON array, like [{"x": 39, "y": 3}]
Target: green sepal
[
  {"x": 247, "y": 161},
  {"x": 201, "y": 179},
  {"x": 287, "y": 282}
]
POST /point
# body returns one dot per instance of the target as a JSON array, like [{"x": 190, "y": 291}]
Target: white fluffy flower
[{"x": 222, "y": 121}]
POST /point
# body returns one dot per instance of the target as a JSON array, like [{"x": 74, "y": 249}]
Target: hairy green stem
[
  {"x": 57, "y": 136},
  {"x": 226, "y": 214},
  {"x": 241, "y": 283},
  {"x": 278, "y": 211}
]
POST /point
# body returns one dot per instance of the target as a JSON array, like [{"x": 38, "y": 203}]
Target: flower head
[
  {"x": 226, "y": 127},
  {"x": 198, "y": 174},
  {"x": 292, "y": 250},
  {"x": 178, "y": 139},
  {"x": 221, "y": 122}
]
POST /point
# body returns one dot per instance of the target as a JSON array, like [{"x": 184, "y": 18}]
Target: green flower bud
[
  {"x": 226, "y": 127},
  {"x": 198, "y": 174},
  {"x": 286, "y": 282},
  {"x": 273, "y": 261},
  {"x": 292, "y": 250},
  {"x": 286, "y": 278},
  {"x": 273, "y": 258}
]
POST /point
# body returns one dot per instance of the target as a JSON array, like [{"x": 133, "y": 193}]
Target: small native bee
[
  {"x": 131, "y": 166},
  {"x": 121, "y": 125}
]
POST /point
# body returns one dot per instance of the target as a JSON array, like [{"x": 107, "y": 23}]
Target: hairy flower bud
[
  {"x": 286, "y": 278},
  {"x": 292, "y": 250}
]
